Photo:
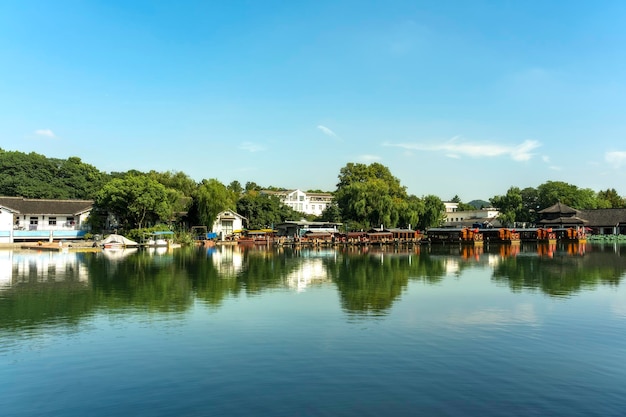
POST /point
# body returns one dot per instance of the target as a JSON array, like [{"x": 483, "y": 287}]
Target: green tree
[
  {"x": 552, "y": 192},
  {"x": 30, "y": 175},
  {"x": 264, "y": 211},
  {"x": 368, "y": 195},
  {"x": 252, "y": 186},
  {"x": 433, "y": 215},
  {"x": 236, "y": 188},
  {"x": 609, "y": 198},
  {"x": 461, "y": 206},
  {"x": 135, "y": 200},
  {"x": 530, "y": 205},
  {"x": 509, "y": 205},
  {"x": 82, "y": 181},
  {"x": 36, "y": 176},
  {"x": 210, "y": 199},
  {"x": 412, "y": 209},
  {"x": 331, "y": 213}
]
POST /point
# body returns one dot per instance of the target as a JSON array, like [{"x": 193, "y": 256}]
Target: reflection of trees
[
  {"x": 261, "y": 269},
  {"x": 370, "y": 284},
  {"x": 562, "y": 274},
  {"x": 27, "y": 305},
  {"x": 139, "y": 282},
  {"x": 368, "y": 281}
]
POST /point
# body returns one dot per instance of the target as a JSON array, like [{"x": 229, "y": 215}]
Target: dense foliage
[
  {"x": 369, "y": 196},
  {"x": 522, "y": 205},
  {"x": 366, "y": 196},
  {"x": 36, "y": 176}
]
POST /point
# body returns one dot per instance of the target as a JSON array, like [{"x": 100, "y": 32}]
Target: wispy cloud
[
  {"x": 369, "y": 158},
  {"x": 45, "y": 132},
  {"x": 251, "y": 147},
  {"x": 328, "y": 132},
  {"x": 615, "y": 158},
  {"x": 457, "y": 148}
]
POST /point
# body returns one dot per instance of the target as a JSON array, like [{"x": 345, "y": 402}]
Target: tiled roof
[
  {"x": 563, "y": 220},
  {"x": 603, "y": 217},
  {"x": 558, "y": 208},
  {"x": 41, "y": 206}
]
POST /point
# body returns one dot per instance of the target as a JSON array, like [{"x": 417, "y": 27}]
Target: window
[
  {"x": 52, "y": 221},
  {"x": 34, "y": 221},
  {"x": 301, "y": 198},
  {"x": 70, "y": 221}
]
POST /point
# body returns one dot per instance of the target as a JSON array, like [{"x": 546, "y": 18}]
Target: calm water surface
[{"x": 530, "y": 331}]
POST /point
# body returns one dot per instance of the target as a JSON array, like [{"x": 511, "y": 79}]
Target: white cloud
[
  {"x": 327, "y": 131},
  {"x": 615, "y": 158},
  {"x": 251, "y": 147},
  {"x": 45, "y": 132},
  {"x": 455, "y": 148}
]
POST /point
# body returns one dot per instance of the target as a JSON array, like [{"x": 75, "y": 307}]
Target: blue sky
[{"x": 460, "y": 98}]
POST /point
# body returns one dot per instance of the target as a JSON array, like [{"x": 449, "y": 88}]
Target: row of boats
[{"x": 464, "y": 235}]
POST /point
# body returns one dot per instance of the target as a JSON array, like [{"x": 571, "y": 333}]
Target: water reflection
[{"x": 37, "y": 287}]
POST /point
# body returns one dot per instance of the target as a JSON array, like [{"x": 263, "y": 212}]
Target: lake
[{"x": 442, "y": 331}]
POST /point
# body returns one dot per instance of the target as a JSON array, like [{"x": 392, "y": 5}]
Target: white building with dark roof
[
  {"x": 42, "y": 219},
  {"x": 304, "y": 202}
]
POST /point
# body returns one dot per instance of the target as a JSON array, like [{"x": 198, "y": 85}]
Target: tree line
[
  {"x": 522, "y": 205},
  {"x": 366, "y": 196}
]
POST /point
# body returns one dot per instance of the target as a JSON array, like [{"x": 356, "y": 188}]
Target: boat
[
  {"x": 114, "y": 241},
  {"x": 160, "y": 239}
]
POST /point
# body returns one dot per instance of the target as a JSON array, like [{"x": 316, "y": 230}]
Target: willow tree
[
  {"x": 370, "y": 196},
  {"x": 210, "y": 199}
]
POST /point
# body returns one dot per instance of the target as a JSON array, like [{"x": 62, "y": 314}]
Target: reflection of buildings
[
  {"x": 29, "y": 267},
  {"x": 227, "y": 260},
  {"x": 311, "y": 270},
  {"x": 6, "y": 268}
]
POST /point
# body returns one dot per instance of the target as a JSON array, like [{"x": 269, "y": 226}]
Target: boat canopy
[{"x": 113, "y": 238}]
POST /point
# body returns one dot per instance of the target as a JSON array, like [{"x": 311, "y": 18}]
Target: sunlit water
[{"x": 448, "y": 331}]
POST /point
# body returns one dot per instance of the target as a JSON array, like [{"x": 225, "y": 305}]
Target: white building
[
  {"x": 43, "y": 219},
  {"x": 451, "y": 206},
  {"x": 227, "y": 223},
  {"x": 467, "y": 218},
  {"x": 308, "y": 203}
]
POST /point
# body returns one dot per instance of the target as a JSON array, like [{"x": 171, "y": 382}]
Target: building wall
[
  {"x": 451, "y": 207},
  {"x": 6, "y": 226},
  {"x": 50, "y": 222},
  {"x": 226, "y": 223},
  {"x": 478, "y": 215},
  {"x": 313, "y": 203}
]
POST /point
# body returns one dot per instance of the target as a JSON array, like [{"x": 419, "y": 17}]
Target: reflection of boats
[
  {"x": 116, "y": 254},
  {"x": 159, "y": 239},
  {"x": 117, "y": 241},
  {"x": 157, "y": 250}
]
